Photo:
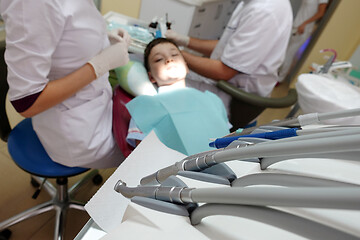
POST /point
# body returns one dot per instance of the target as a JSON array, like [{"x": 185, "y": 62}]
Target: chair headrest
[{"x": 133, "y": 78}]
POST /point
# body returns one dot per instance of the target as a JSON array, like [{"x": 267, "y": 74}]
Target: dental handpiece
[
  {"x": 306, "y": 147},
  {"x": 196, "y": 162},
  {"x": 312, "y": 197}
]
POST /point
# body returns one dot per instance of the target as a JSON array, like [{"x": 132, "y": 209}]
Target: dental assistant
[
  {"x": 309, "y": 13},
  {"x": 249, "y": 52},
  {"x": 58, "y": 55}
]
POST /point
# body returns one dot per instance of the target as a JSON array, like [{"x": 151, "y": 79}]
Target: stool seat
[{"x": 28, "y": 153}]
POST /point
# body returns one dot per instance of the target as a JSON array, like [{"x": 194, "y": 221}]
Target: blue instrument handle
[{"x": 285, "y": 133}]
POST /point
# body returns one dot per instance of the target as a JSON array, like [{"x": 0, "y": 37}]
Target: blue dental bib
[{"x": 183, "y": 119}]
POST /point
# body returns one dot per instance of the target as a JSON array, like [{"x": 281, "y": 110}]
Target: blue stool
[{"x": 28, "y": 153}]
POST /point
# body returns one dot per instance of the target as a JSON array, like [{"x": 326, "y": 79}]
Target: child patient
[{"x": 183, "y": 118}]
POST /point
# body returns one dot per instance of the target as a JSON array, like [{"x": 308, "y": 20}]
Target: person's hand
[
  {"x": 119, "y": 35},
  {"x": 180, "y": 40},
  {"x": 301, "y": 28},
  {"x": 111, "y": 57}
]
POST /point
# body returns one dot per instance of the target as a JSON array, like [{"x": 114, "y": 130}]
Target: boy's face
[{"x": 167, "y": 65}]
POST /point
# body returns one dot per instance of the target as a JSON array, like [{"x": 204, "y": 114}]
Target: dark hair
[{"x": 151, "y": 45}]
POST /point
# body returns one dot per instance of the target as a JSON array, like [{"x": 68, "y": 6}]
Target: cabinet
[{"x": 200, "y": 19}]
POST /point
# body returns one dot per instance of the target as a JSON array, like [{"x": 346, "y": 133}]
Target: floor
[{"x": 16, "y": 190}]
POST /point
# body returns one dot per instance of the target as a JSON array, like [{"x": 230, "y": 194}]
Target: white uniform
[
  {"x": 307, "y": 9},
  {"x": 47, "y": 40},
  {"x": 253, "y": 43}
]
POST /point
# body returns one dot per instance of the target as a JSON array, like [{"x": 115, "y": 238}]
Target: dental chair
[
  {"x": 132, "y": 81},
  {"x": 27, "y": 152},
  {"x": 121, "y": 119},
  {"x": 245, "y": 107}
]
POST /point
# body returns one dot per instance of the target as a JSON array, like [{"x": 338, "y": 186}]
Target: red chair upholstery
[{"x": 121, "y": 119}]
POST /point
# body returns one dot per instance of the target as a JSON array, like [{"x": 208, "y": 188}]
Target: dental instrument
[
  {"x": 303, "y": 120},
  {"x": 284, "y": 133},
  {"x": 168, "y": 24},
  {"x": 308, "y": 147},
  {"x": 278, "y": 134},
  {"x": 307, "y": 228},
  {"x": 287, "y": 180},
  {"x": 308, "y": 197},
  {"x": 249, "y": 203}
]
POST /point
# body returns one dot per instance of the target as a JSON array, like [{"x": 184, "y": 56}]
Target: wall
[
  {"x": 126, "y": 7},
  {"x": 340, "y": 33}
]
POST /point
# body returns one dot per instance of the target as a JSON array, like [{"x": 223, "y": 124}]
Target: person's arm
[
  {"x": 32, "y": 40},
  {"x": 319, "y": 14},
  {"x": 202, "y": 46},
  {"x": 205, "y": 47},
  {"x": 209, "y": 68},
  {"x": 59, "y": 90}
]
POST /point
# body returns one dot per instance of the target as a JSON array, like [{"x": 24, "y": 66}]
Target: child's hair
[{"x": 151, "y": 45}]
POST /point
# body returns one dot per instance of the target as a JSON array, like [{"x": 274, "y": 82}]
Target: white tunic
[
  {"x": 254, "y": 43},
  {"x": 47, "y": 40}
]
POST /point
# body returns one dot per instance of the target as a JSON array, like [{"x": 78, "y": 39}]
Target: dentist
[
  {"x": 58, "y": 55},
  {"x": 249, "y": 52}
]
